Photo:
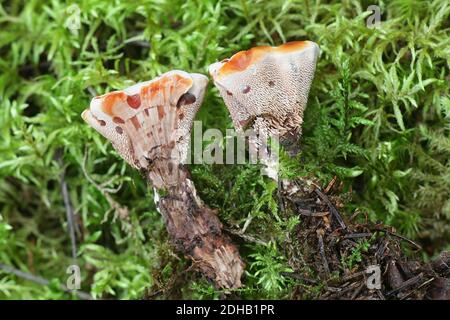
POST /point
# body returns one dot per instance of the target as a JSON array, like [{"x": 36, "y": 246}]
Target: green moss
[{"x": 378, "y": 117}]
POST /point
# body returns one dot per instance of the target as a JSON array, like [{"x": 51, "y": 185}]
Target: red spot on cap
[
  {"x": 187, "y": 98},
  {"x": 246, "y": 89},
  {"x": 118, "y": 120},
  {"x": 134, "y": 101}
]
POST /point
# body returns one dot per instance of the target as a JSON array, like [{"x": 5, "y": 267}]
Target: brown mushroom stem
[{"x": 196, "y": 231}]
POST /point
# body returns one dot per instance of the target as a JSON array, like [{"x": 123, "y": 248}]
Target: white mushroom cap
[
  {"x": 267, "y": 87},
  {"x": 150, "y": 116}
]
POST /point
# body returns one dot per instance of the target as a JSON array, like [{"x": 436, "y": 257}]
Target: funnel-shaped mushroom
[
  {"x": 150, "y": 120},
  {"x": 266, "y": 88},
  {"x": 149, "y": 126}
]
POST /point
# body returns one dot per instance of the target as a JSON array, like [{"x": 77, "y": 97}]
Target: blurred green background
[{"x": 378, "y": 117}]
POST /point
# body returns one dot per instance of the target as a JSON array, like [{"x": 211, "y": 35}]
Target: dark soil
[{"x": 334, "y": 254}]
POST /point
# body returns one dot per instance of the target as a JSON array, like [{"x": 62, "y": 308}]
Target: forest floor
[{"x": 341, "y": 255}]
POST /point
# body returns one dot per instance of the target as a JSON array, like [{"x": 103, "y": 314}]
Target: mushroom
[
  {"x": 149, "y": 126},
  {"x": 266, "y": 89}
]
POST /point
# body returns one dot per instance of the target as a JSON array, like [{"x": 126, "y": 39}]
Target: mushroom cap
[
  {"x": 150, "y": 119},
  {"x": 267, "y": 87}
]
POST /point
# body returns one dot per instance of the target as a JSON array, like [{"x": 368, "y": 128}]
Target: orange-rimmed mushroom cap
[
  {"x": 267, "y": 87},
  {"x": 142, "y": 119}
]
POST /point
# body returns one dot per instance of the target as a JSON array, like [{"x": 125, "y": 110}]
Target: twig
[
  {"x": 400, "y": 237},
  {"x": 309, "y": 213},
  {"x": 245, "y": 236},
  {"x": 247, "y": 223},
  {"x": 330, "y": 184},
  {"x": 39, "y": 280},
  {"x": 426, "y": 282},
  {"x": 352, "y": 276},
  {"x": 357, "y": 291},
  {"x": 380, "y": 295},
  {"x": 341, "y": 291},
  {"x": 68, "y": 206},
  {"x": 299, "y": 277},
  {"x": 322, "y": 254},
  {"x": 406, "y": 284},
  {"x": 418, "y": 288},
  {"x": 357, "y": 235},
  {"x": 333, "y": 210}
]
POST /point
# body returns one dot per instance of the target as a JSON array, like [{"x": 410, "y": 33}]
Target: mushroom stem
[{"x": 196, "y": 231}]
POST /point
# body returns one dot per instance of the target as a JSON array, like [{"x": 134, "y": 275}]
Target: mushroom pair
[{"x": 265, "y": 88}]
